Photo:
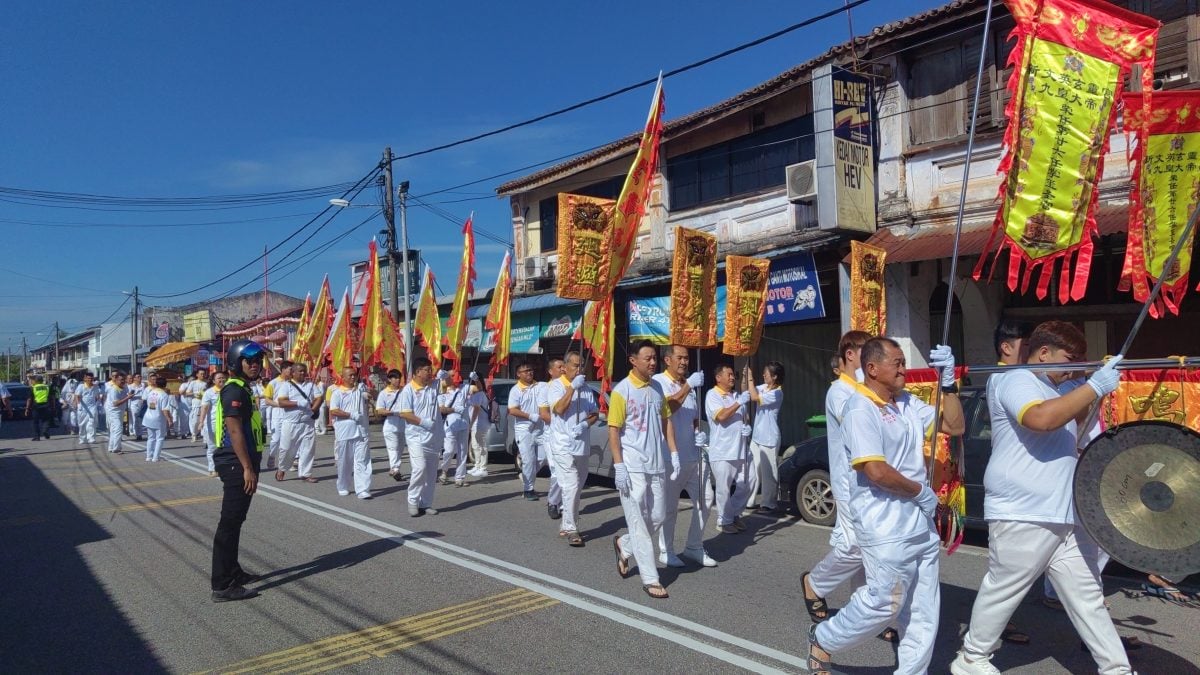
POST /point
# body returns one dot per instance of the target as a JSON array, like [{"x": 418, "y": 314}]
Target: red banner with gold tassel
[
  {"x": 694, "y": 289},
  {"x": 1166, "y": 189},
  {"x": 745, "y": 303},
  {"x": 1070, "y": 60}
]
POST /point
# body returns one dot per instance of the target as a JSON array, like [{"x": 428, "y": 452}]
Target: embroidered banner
[
  {"x": 868, "y": 297},
  {"x": 694, "y": 289},
  {"x": 1166, "y": 189},
  {"x": 947, "y": 480},
  {"x": 746, "y": 303},
  {"x": 1070, "y": 60},
  {"x": 585, "y": 226},
  {"x": 1169, "y": 395}
]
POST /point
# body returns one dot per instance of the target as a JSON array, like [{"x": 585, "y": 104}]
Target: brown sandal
[
  {"x": 310, "y": 479},
  {"x": 656, "y": 591},
  {"x": 280, "y": 475},
  {"x": 574, "y": 539}
]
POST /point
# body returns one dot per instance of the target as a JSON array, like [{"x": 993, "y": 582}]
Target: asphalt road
[{"x": 107, "y": 561}]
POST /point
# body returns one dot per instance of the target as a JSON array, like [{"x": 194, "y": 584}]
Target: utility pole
[
  {"x": 398, "y": 271},
  {"x": 266, "y": 310},
  {"x": 24, "y": 358},
  {"x": 133, "y": 320},
  {"x": 389, "y": 214},
  {"x": 408, "y": 327},
  {"x": 56, "y": 361}
]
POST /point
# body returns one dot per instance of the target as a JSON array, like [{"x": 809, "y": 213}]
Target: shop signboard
[{"x": 793, "y": 290}]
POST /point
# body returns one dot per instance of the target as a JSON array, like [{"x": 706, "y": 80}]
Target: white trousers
[
  {"x": 572, "y": 473},
  {"x": 194, "y": 418},
  {"x": 727, "y": 473},
  {"x": 455, "y": 446},
  {"x": 353, "y": 460},
  {"x": 1090, "y": 548},
  {"x": 901, "y": 590},
  {"x": 184, "y": 419},
  {"x": 844, "y": 560},
  {"x": 136, "y": 409},
  {"x": 155, "y": 435},
  {"x": 320, "y": 421},
  {"x": 527, "y": 448},
  {"x": 394, "y": 440},
  {"x": 210, "y": 445},
  {"x": 479, "y": 451},
  {"x": 424, "y": 460},
  {"x": 115, "y": 427},
  {"x": 554, "y": 494},
  {"x": 643, "y": 508},
  {"x": 764, "y": 471},
  {"x": 273, "y": 422},
  {"x": 87, "y": 426},
  {"x": 1018, "y": 553},
  {"x": 694, "y": 478},
  {"x": 297, "y": 440}
]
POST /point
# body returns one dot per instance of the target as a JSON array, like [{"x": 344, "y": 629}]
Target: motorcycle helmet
[{"x": 242, "y": 350}]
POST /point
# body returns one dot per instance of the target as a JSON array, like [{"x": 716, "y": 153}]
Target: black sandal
[
  {"x": 816, "y": 664},
  {"x": 573, "y": 539},
  {"x": 655, "y": 587},
  {"x": 1016, "y": 637},
  {"x": 818, "y": 609},
  {"x": 889, "y": 634},
  {"x": 622, "y": 565}
]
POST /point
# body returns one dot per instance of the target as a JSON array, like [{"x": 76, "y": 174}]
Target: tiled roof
[{"x": 782, "y": 82}]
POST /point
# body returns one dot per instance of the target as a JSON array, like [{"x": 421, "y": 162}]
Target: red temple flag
[
  {"x": 297, "y": 340},
  {"x": 499, "y": 317},
  {"x": 456, "y": 327},
  {"x": 427, "y": 323},
  {"x": 339, "y": 346},
  {"x": 381, "y": 343},
  {"x": 631, "y": 204}
]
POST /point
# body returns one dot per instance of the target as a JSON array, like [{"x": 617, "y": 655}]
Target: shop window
[{"x": 548, "y": 221}]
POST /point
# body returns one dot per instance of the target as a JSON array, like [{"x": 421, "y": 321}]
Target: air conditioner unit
[
  {"x": 802, "y": 181},
  {"x": 535, "y": 267}
]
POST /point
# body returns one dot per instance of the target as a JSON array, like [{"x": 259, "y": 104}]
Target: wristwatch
[{"x": 952, "y": 389}]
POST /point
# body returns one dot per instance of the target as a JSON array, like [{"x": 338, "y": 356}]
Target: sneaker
[
  {"x": 234, "y": 592},
  {"x": 553, "y": 511},
  {"x": 531, "y": 496},
  {"x": 480, "y": 473},
  {"x": 363, "y": 495},
  {"x": 460, "y": 483},
  {"x": 700, "y": 557},
  {"x": 962, "y": 666},
  {"x": 429, "y": 511},
  {"x": 670, "y": 560},
  {"x": 413, "y": 511},
  {"x": 344, "y": 493},
  {"x": 728, "y": 529}
]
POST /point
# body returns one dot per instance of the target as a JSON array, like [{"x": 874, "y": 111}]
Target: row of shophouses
[{"x": 769, "y": 173}]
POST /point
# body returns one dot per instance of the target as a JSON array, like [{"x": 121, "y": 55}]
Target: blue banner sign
[{"x": 794, "y": 292}]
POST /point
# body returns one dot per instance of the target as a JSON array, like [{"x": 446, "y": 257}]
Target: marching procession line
[{"x": 588, "y": 599}]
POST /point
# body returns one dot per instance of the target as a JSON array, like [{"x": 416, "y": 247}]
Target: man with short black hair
[
  {"x": 298, "y": 402},
  {"x": 727, "y": 452},
  {"x": 573, "y": 410},
  {"x": 424, "y": 431},
  {"x": 393, "y": 424},
  {"x": 527, "y": 426},
  {"x": 554, "y": 370},
  {"x": 38, "y": 407},
  {"x": 351, "y": 454}
]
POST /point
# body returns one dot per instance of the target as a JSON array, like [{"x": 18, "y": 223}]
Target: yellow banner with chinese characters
[
  {"x": 694, "y": 289},
  {"x": 1166, "y": 190},
  {"x": 745, "y": 303},
  {"x": 1169, "y": 395},
  {"x": 585, "y": 253},
  {"x": 868, "y": 296},
  {"x": 947, "y": 470},
  {"x": 1071, "y": 58}
]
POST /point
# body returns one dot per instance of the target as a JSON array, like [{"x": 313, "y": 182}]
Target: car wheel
[{"x": 813, "y": 498}]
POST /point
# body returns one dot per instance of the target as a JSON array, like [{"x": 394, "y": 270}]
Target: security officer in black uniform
[
  {"x": 39, "y": 408},
  {"x": 239, "y": 440}
]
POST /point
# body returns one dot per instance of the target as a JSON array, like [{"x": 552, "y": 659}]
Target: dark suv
[
  {"x": 804, "y": 467},
  {"x": 20, "y": 394}
]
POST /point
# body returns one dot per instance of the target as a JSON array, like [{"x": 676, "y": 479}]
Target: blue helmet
[{"x": 242, "y": 350}]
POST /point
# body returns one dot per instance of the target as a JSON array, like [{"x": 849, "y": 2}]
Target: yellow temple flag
[
  {"x": 298, "y": 341},
  {"x": 338, "y": 346},
  {"x": 456, "y": 327},
  {"x": 499, "y": 316},
  {"x": 427, "y": 323},
  {"x": 313, "y": 341},
  {"x": 381, "y": 343},
  {"x": 631, "y": 205},
  {"x": 597, "y": 330}
]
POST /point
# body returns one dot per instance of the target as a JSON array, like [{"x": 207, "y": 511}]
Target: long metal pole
[
  {"x": 56, "y": 361},
  {"x": 133, "y": 318},
  {"x": 408, "y": 327},
  {"x": 389, "y": 215},
  {"x": 958, "y": 222}
]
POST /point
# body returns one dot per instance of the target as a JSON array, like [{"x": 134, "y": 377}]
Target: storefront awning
[{"x": 170, "y": 353}]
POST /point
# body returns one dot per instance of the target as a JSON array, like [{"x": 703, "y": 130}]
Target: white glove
[
  {"x": 743, "y": 398},
  {"x": 621, "y": 478},
  {"x": 443, "y": 375},
  {"x": 701, "y": 438},
  {"x": 674, "y": 467},
  {"x": 356, "y": 418},
  {"x": 1105, "y": 380},
  {"x": 927, "y": 500},
  {"x": 696, "y": 379},
  {"x": 942, "y": 358},
  {"x": 426, "y": 423},
  {"x": 581, "y": 428},
  {"x": 459, "y": 408},
  {"x": 746, "y": 430},
  {"x": 474, "y": 377},
  {"x": 578, "y": 382}
]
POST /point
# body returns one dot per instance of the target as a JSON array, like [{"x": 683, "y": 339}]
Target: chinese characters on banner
[
  {"x": 1070, "y": 58},
  {"x": 1168, "y": 395},
  {"x": 868, "y": 296},
  {"x": 585, "y": 229},
  {"x": 746, "y": 305},
  {"x": 693, "y": 289},
  {"x": 1166, "y": 190}
]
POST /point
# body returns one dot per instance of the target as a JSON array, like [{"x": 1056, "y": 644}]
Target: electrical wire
[{"x": 78, "y": 224}]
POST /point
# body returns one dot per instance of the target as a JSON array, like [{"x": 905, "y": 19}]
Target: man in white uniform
[
  {"x": 298, "y": 402},
  {"x": 351, "y": 454},
  {"x": 67, "y": 399},
  {"x": 87, "y": 407},
  {"x": 680, "y": 391},
  {"x": 573, "y": 409},
  {"x": 116, "y": 398},
  {"x": 271, "y": 412},
  {"x": 844, "y": 560},
  {"x": 1028, "y": 504},
  {"x": 764, "y": 438},
  {"x": 424, "y": 431},
  {"x": 644, "y": 456},
  {"x": 726, "y": 452},
  {"x": 527, "y": 427},
  {"x": 137, "y": 405},
  {"x": 386, "y": 405},
  {"x": 481, "y": 417},
  {"x": 554, "y": 370},
  {"x": 892, "y": 509},
  {"x": 208, "y": 419},
  {"x": 193, "y": 394},
  {"x": 457, "y": 436}
]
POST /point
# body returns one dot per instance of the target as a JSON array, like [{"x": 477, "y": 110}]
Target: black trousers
[
  {"x": 234, "y": 506},
  {"x": 42, "y": 414}
]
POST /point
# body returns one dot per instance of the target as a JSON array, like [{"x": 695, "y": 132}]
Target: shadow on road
[{"x": 56, "y": 616}]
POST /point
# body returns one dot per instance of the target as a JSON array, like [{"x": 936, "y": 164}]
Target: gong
[{"x": 1137, "y": 492}]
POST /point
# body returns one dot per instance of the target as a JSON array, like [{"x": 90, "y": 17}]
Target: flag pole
[{"x": 958, "y": 222}]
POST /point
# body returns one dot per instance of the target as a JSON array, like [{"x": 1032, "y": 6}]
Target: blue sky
[{"x": 173, "y": 99}]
